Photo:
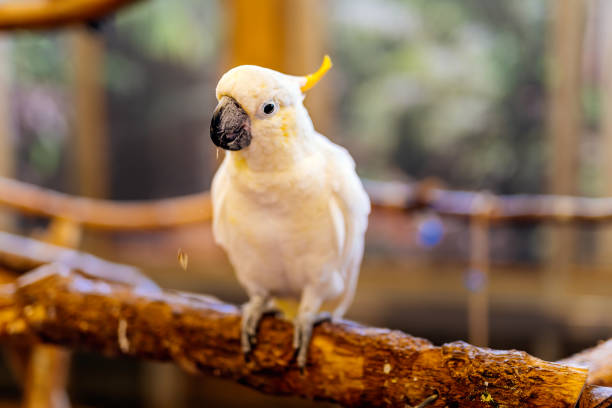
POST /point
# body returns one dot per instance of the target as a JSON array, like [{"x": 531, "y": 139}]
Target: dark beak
[{"x": 230, "y": 128}]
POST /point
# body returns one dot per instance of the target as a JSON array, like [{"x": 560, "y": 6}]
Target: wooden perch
[
  {"x": 196, "y": 208},
  {"x": 598, "y": 360},
  {"x": 19, "y": 255},
  {"x": 496, "y": 208},
  {"x": 348, "y": 363},
  {"x": 50, "y": 14},
  {"x": 43, "y": 370},
  {"x": 105, "y": 214}
]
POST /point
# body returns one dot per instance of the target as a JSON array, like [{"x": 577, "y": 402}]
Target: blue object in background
[
  {"x": 430, "y": 232},
  {"x": 474, "y": 280}
]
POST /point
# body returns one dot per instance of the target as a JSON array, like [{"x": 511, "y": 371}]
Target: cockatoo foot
[
  {"x": 252, "y": 312},
  {"x": 302, "y": 333}
]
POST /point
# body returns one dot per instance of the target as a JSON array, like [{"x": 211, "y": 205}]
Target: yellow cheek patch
[
  {"x": 287, "y": 121},
  {"x": 284, "y": 128},
  {"x": 240, "y": 162}
]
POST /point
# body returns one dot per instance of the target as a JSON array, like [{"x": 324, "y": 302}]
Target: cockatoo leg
[
  {"x": 306, "y": 318},
  {"x": 252, "y": 311}
]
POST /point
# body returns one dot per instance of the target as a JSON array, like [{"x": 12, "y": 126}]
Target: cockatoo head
[{"x": 260, "y": 104}]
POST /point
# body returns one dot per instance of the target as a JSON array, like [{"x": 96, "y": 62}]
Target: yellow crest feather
[{"x": 312, "y": 79}]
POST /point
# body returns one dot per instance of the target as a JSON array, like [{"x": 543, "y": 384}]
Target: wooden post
[
  {"x": 565, "y": 120},
  {"x": 565, "y": 117},
  {"x": 7, "y": 137},
  {"x": 48, "y": 367},
  {"x": 565, "y": 128},
  {"x": 90, "y": 140},
  {"x": 306, "y": 45},
  {"x": 604, "y": 10},
  {"x": 256, "y": 33},
  {"x": 478, "y": 278},
  {"x": 46, "y": 377}
]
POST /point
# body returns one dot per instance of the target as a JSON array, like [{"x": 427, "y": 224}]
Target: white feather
[{"x": 289, "y": 210}]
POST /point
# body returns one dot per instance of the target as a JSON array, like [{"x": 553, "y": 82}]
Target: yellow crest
[{"x": 312, "y": 79}]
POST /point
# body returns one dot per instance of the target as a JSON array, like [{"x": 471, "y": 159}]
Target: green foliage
[
  {"x": 183, "y": 31},
  {"x": 44, "y": 156},
  {"x": 39, "y": 58},
  {"x": 445, "y": 88}
]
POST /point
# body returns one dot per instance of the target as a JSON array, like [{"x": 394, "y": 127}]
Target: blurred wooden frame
[
  {"x": 197, "y": 208},
  {"x": 41, "y": 14}
]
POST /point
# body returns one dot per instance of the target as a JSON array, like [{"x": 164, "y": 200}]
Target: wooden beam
[
  {"x": 90, "y": 142},
  {"x": 306, "y": 44},
  {"x": 348, "y": 363},
  {"x": 7, "y": 131},
  {"x": 565, "y": 85},
  {"x": 602, "y": 12},
  {"x": 44, "y": 14},
  {"x": 566, "y": 37},
  {"x": 105, "y": 214},
  {"x": 478, "y": 298},
  {"x": 196, "y": 208},
  {"x": 255, "y": 33}
]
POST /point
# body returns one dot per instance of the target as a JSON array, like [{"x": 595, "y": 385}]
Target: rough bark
[
  {"x": 40, "y": 14},
  {"x": 41, "y": 369},
  {"x": 595, "y": 396},
  {"x": 348, "y": 363},
  {"x": 20, "y": 255},
  {"x": 598, "y": 360}
]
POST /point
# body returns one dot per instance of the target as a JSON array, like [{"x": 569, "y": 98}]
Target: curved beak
[{"x": 230, "y": 128}]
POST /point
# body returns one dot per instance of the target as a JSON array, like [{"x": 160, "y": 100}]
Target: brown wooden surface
[
  {"x": 348, "y": 363},
  {"x": 38, "y": 14},
  {"x": 565, "y": 124},
  {"x": 43, "y": 369},
  {"x": 504, "y": 208},
  {"x": 19, "y": 254},
  {"x": 89, "y": 143},
  {"x": 8, "y": 137},
  {"x": 599, "y": 362},
  {"x": 105, "y": 214},
  {"x": 196, "y": 208},
  {"x": 595, "y": 396}
]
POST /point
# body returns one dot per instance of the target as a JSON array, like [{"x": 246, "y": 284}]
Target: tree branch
[
  {"x": 19, "y": 255},
  {"x": 598, "y": 360},
  {"x": 348, "y": 363}
]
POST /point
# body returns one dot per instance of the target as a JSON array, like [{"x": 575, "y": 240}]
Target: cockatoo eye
[{"x": 269, "y": 108}]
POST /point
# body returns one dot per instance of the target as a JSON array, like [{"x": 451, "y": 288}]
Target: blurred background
[{"x": 508, "y": 97}]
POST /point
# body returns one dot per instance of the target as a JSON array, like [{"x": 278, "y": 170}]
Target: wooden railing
[
  {"x": 196, "y": 208},
  {"x": 44, "y": 14}
]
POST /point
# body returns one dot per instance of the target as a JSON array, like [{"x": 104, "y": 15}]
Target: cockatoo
[{"x": 288, "y": 206}]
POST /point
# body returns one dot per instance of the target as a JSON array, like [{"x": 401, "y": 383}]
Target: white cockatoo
[{"x": 288, "y": 207}]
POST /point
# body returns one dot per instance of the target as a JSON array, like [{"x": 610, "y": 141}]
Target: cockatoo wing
[{"x": 350, "y": 207}]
